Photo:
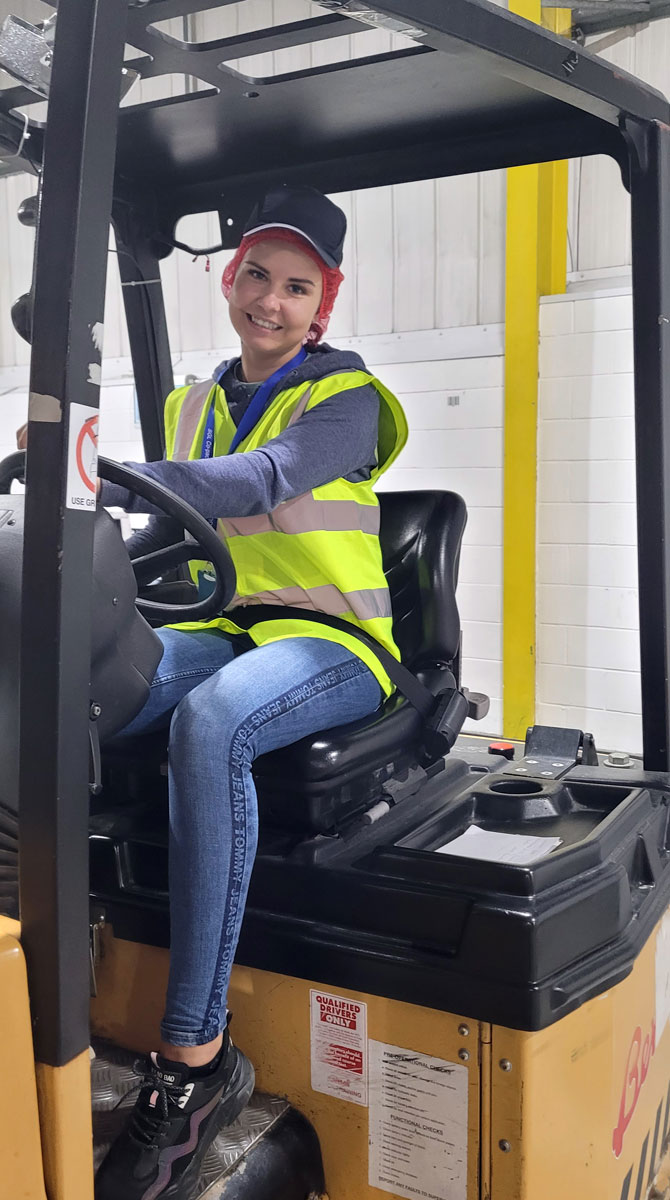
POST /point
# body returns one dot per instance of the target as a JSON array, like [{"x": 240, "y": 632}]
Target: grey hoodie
[{"x": 336, "y": 439}]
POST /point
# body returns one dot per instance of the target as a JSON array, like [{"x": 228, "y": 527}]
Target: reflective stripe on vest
[
  {"x": 194, "y": 403},
  {"x": 305, "y": 514},
  {"x": 282, "y": 557},
  {"x": 366, "y": 605}
]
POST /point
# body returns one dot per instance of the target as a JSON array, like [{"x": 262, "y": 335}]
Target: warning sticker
[
  {"x": 339, "y": 1047},
  {"x": 82, "y": 457},
  {"x": 418, "y": 1124}
]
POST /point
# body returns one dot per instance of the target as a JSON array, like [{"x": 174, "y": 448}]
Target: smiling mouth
[{"x": 261, "y": 324}]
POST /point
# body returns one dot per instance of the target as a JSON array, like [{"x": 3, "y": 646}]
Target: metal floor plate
[{"x": 114, "y": 1090}]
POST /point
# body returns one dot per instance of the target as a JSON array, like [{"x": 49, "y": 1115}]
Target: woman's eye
[
  {"x": 297, "y": 290},
  {"x": 256, "y": 274}
]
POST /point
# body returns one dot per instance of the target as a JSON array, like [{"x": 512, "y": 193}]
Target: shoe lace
[{"x": 149, "y": 1121}]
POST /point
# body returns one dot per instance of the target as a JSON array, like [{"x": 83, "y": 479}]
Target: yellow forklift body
[
  {"x": 20, "y": 1147},
  {"x": 67, "y": 1130},
  {"x": 583, "y": 1105},
  {"x": 578, "y": 1110},
  {"x": 274, "y": 1012},
  {"x": 272, "y": 1025}
]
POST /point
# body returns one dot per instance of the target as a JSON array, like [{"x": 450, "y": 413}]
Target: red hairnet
[{"x": 331, "y": 276}]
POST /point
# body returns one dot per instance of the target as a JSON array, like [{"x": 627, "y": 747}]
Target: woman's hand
[{"x": 22, "y": 442}]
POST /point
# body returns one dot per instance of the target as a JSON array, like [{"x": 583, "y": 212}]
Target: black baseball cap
[{"x": 307, "y": 212}]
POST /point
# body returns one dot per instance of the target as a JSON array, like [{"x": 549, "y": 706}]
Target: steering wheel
[
  {"x": 11, "y": 468},
  {"x": 206, "y": 544}
]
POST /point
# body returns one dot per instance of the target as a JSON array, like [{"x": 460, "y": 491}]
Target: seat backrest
[{"x": 420, "y": 535}]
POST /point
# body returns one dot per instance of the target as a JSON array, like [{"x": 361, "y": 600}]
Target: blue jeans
[{"x": 227, "y": 708}]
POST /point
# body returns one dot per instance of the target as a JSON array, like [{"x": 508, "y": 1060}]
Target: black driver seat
[{"x": 318, "y": 782}]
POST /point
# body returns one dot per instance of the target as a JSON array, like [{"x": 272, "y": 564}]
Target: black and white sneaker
[{"x": 177, "y": 1115}]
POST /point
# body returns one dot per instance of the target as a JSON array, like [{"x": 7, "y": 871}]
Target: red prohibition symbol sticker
[{"x": 87, "y": 452}]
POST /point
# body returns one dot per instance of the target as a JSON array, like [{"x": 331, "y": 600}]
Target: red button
[{"x": 504, "y": 749}]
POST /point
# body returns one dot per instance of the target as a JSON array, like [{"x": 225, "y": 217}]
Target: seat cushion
[{"x": 323, "y": 780}]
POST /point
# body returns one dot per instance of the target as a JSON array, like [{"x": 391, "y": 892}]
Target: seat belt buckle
[{"x": 445, "y": 722}]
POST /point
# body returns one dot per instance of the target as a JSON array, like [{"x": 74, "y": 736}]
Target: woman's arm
[
  {"x": 161, "y": 531},
  {"x": 333, "y": 440}
]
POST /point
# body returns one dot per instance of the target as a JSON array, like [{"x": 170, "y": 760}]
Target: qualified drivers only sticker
[
  {"x": 82, "y": 457},
  {"x": 339, "y": 1047}
]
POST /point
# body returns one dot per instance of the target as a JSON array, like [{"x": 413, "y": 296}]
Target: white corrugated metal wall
[{"x": 419, "y": 256}]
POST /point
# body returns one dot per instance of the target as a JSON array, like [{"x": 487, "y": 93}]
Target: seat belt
[{"x": 442, "y": 713}]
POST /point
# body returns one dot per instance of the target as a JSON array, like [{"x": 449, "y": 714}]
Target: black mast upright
[
  {"x": 649, "y": 147},
  {"x": 139, "y": 268},
  {"x": 78, "y": 164}
]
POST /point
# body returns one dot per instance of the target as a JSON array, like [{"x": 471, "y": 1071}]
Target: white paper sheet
[{"x": 517, "y": 848}]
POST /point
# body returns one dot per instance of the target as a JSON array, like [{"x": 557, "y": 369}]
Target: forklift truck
[{"x": 422, "y": 1024}]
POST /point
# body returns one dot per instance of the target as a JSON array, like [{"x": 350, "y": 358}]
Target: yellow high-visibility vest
[{"x": 319, "y": 551}]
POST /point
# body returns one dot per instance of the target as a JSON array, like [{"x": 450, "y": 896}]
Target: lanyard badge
[{"x": 255, "y": 410}]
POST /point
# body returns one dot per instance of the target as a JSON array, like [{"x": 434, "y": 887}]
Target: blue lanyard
[{"x": 255, "y": 410}]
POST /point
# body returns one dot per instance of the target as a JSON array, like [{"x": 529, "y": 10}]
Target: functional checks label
[
  {"x": 82, "y": 457},
  {"x": 418, "y": 1132},
  {"x": 339, "y": 1047}
]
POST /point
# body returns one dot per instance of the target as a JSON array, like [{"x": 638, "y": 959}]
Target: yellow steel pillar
[
  {"x": 520, "y": 465},
  {"x": 535, "y": 265}
]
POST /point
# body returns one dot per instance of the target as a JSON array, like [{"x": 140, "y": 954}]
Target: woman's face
[{"x": 274, "y": 299}]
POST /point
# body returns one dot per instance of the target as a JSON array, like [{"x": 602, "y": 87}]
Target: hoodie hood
[{"x": 321, "y": 360}]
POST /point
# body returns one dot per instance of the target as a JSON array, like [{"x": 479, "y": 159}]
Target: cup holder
[
  {"x": 517, "y": 787},
  {"x": 511, "y": 799}
]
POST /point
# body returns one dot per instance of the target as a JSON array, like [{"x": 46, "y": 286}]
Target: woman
[{"x": 286, "y": 444}]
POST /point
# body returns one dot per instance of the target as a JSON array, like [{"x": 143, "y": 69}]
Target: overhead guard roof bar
[{"x": 532, "y": 56}]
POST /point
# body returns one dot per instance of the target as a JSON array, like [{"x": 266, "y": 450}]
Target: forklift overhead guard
[{"x": 421, "y": 1024}]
